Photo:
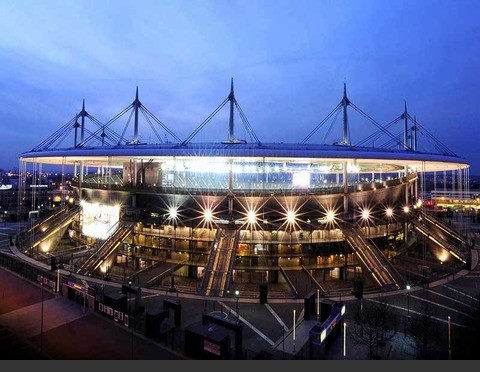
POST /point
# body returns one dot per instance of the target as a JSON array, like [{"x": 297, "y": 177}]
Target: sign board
[{"x": 211, "y": 347}]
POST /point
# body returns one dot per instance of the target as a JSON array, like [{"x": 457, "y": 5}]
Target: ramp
[
  {"x": 120, "y": 232},
  {"x": 218, "y": 273},
  {"x": 300, "y": 281},
  {"x": 445, "y": 230},
  {"x": 49, "y": 227},
  {"x": 372, "y": 259},
  {"x": 430, "y": 230},
  {"x": 155, "y": 273}
]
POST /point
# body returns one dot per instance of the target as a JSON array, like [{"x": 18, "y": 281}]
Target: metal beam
[
  {"x": 345, "y": 103},
  {"x": 405, "y": 128},
  {"x": 136, "y": 105},
  {"x": 231, "y": 98},
  {"x": 83, "y": 113}
]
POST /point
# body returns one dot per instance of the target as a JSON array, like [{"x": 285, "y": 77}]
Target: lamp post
[
  {"x": 408, "y": 301},
  {"x": 291, "y": 241},
  {"x": 344, "y": 340},
  {"x": 58, "y": 281},
  {"x": 318, "y": 304},
  {"x": 41, "y": 324},
  {"x": 237, "y": 294},
  {"x": 294, "y": 326},
  {"x": 131, "y": 318},
  {"x": 449, "y": 339}
]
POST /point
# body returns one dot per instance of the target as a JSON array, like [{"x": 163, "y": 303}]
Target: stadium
[{"x": 244, "y": 218}]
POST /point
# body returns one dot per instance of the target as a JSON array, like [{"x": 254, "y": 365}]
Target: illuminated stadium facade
[{"x": 210, "y": 217}]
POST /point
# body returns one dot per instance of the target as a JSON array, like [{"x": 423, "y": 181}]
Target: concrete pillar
[
  {"x": 80, "y": 176},
  {"x": 345, "y": 187},
  {"x": 407, "y": 184}
]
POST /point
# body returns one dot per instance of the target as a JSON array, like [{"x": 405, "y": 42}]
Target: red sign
[{"x": 211, "y": 347}]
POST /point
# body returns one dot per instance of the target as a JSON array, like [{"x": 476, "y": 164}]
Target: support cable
[
  {"x": 175, "y": 137},
  {"x": 426, "y": 133},
  {"x": 322, "y": 123},
  {"x": 125, "y": 128},
  {"x": 375, "y": 135},
  {"x": 151, "y": 124},
  {"x": 105, "y": 129},
  {"x": 60, "y": 135},
  {"x": 205, "y": 122},
  {"x": 379, "y": 126},
  {"x": 106, "y": 125},
  {"x": 56, "y": 133},
  {"x": 96, "y": 136},
  {"x": 331, "y": 126},
  {"x": 246, "y": 123}
]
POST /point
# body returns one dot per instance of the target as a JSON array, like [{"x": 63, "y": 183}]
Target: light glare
[
  {"x": 291, "y": 217},
  {"x": 389, "y": 212},
  {"x": 330, "y": 216},
  {"x": 208, "y": 215},
  {"x": 251, "y": 217},
  {"x": 173, "y": 212}
]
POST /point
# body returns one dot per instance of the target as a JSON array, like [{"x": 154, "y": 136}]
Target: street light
[
  {"x": 251, "y": 217},
  {"x": 318, "y": 304},
  {"x": 330, "y": 216},
  {"x": 344, "y": 340},
  {"x": 294, "y": 326},
  {"x": 408, "y": 300},
  {"x": 291, "y": 217},
  {"x": 208, "y": 215},
  {"x": 449, "y": 345},
  {"x": 41, "y": 324},
  {"x": 237, "y": 294},
  {"x": 173, "y": 213},
  {"x": 365, "y": 214},
  {"x": 389, "y": 212}
]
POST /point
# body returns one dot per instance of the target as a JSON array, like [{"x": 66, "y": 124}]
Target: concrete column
[
  {"x": 345, "y": 187},
  {"x": 80, "y": 176},
  {"x": 406, "y": 185}
]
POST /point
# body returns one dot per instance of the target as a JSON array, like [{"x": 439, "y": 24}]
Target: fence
[{"x": 29, "y": 272}]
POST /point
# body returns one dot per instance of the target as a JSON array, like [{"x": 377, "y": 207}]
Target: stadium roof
[{"x": 248, "y": 151}]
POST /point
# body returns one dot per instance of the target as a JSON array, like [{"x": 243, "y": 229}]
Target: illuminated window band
[{"x": 99, "y": 220}]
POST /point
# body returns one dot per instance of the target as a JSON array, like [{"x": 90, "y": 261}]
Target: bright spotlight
[
  {"x": 406, "y": 209},
  {"x": 330, "y": 216},
  {"x": 389, "y": 212},
  {"x": 291, "y": 217},
  {"x": 419, "y": 203},
  {"x": 251, "y": 217},
  {"x": 208, "y": 215},
  {"x": 365, "y": 214},
  {"x": 173, "y": 212}
]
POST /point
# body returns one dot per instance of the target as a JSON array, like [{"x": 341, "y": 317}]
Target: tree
[
  {"x": 423, "y": 330},
  {"x": 467, "y": 342},
  {"x": 371, "y": 329}
]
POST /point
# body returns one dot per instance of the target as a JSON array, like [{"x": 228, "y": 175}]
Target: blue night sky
[{"x": 289, "y": 60}]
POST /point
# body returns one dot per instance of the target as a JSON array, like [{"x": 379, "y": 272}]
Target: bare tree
[
  {"x": 371, "y": 329},
  {"x": 468, "y": 339},
  {"x": 423, "y": 330}
]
